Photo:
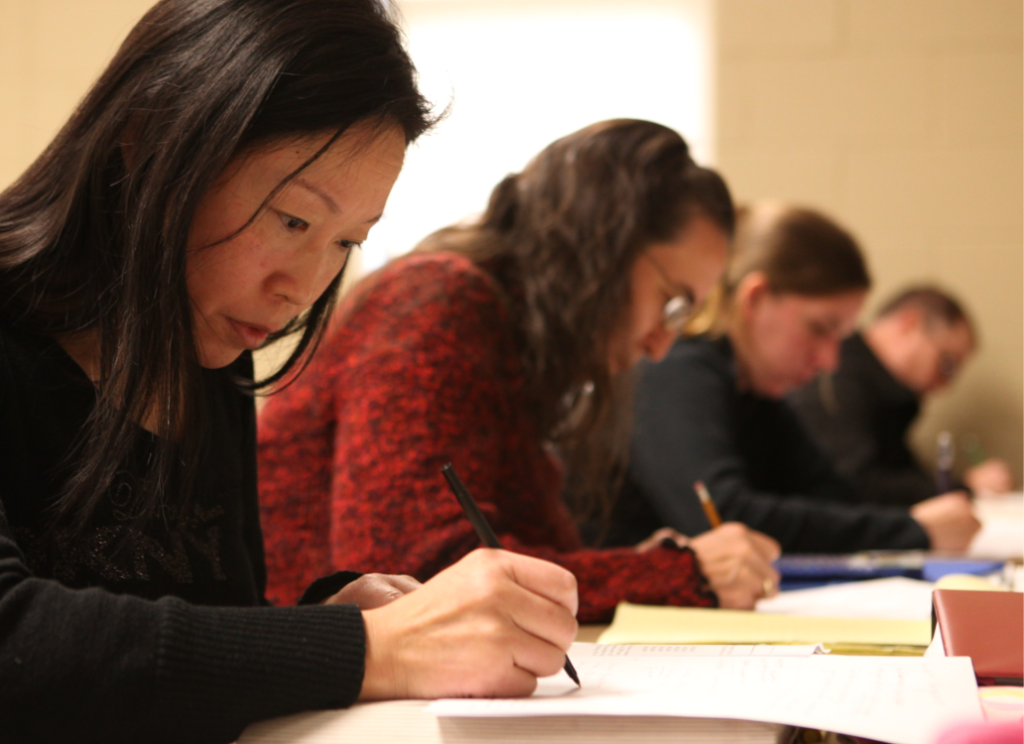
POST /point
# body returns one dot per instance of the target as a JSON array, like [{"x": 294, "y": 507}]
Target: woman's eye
[
  {"x": 293, "y": 223},
  {"x": 820, "y": 330},
  {"x": 350, "y": 244}
]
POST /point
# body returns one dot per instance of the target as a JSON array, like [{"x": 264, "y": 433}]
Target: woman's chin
[{"x": 774, "y": 388}]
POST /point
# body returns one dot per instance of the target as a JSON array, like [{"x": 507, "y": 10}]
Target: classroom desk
[{"x": 410, "y": 721}]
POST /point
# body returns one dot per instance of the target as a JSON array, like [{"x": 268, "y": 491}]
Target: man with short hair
[{"x": 860, "y": 414}]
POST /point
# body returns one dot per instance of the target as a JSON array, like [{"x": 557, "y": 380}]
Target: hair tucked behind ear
[
  {"x": 561, "y": 238},
  {"x": 799, "y": 251},
  {"x": 93, "y": 236}
]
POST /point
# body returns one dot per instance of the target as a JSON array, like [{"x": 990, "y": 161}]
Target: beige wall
[
  {"x": 50, "y": 52},
  {"x": 903, "y": 119}
]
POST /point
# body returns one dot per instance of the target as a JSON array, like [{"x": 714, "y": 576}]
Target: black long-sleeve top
[
  {"x": 692, "y": 423},
  {"x": 163, "y": 635},
  {"x": 860, "y": 415}
]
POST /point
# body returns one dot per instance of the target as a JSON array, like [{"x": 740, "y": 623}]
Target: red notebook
[{"x": 988, "y": 627}]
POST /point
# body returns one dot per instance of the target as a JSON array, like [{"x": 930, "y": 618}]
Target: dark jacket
[
  {"x": 115, "y": 634},
  {"x": 762, "y": 469},
  {"x": 860, "y": 416}
]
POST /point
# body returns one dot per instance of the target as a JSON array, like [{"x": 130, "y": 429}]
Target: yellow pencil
[{"x": 707, "y": 503}]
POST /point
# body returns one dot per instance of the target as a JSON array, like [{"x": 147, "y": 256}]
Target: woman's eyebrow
[{"x": 331, "y": 204}]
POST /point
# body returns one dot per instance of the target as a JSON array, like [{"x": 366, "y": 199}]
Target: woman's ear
[{"x": 751, "y": 292}]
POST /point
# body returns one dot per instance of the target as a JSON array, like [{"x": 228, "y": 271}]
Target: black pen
[
  {"x": 944, "y": 462},
  {"x": 485, "y": 533}
]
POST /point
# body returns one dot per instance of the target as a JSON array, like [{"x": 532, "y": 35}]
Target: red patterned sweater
[{"x": 425, "y": 371}]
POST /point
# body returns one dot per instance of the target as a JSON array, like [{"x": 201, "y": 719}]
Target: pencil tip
[{"x": 571, "y": 671}]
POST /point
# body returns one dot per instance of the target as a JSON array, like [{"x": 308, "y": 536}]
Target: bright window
[{"x": 521, "y": 73}]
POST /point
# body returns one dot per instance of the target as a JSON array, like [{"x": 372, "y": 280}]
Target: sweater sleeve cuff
[{"x": 222, "y": 668}]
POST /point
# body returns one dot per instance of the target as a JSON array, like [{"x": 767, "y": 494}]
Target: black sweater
[
  {"x": 691, "y": 423},
  {"x": 116, "y": 635},
  {"x": 860, "y": 415}
]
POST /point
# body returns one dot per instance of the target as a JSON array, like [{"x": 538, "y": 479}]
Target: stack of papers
[
  {"x": 658, "y": 625},
  {"x": 896, "y": 598},
  {"x": 898, "y": 700},
  {"x": 630, "y": 694}
]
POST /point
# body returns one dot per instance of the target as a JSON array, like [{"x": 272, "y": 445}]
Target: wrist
[{"x": 378, "y": 667}]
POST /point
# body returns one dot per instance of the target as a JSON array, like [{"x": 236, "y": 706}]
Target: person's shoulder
[
  {"x": 856, "y": 354},
  {"x": 423, "y": 286},
  {"x": 437, "y": 273},
  {"x": 10, "y": 353},
  {"x": 15, "y": 345},
  {"x": 693, "y": 366},
  {"x": 26, "y": 358},
  {"x": 706, "y": 353},
  {"x": 859, "y": 362},
  {"x": 39, "y": 382},
  {"x": 862, "y": 373}
]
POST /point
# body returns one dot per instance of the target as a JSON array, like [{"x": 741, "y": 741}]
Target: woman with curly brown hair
[{"x": 493, "y": 346}]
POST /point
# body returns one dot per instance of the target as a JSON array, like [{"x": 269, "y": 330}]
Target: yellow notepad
[{"x": 656, "y": 625}]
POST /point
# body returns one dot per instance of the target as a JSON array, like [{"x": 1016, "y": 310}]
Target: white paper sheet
[
  {"x": 759, "y": 649},
  {"x": 935, "y": 648},
  {"x": 902, "y": 700},
  {"x": 895, "y": 598},
  {"x": 1002, "y": 527},
  {"x": 998, "y": 539}
]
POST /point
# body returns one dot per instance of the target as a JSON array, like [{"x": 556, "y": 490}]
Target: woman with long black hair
[{"x": 201, "y": 202}]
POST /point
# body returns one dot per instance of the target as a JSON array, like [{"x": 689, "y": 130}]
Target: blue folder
[{"x": 803, "y": 571}]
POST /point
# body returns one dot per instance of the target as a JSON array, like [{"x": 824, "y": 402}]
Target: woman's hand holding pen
[
  {"x": 737, "y": 562},
  {"x": 990, "y": 477},
  {"x": 948, "y": 520},
  {"x": 487, "y": 626}
]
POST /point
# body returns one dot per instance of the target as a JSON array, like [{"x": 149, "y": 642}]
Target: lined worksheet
[{"x": 903, "y": 700}]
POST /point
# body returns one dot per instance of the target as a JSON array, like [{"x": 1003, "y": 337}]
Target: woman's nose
[
  {"x": 828, "y": 356},
  {"x": 302, "y": 281},
  {"x": 292, "y": 290}
]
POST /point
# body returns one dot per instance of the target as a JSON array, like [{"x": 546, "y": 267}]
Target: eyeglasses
[
  {"x": 947, "y": 359},
  {"x": 679, "y": 309},
  {"x": 949, "y": 364}
]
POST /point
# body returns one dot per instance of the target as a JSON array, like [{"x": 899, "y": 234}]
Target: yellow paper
[
  {"x": 658, "y": 625},
  {"x": 965, "y": 582}
]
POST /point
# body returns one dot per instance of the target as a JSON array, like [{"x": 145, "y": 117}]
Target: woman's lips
[{"x": 252, "y": 336}]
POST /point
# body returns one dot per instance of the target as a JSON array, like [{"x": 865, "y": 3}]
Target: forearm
[
  {"x": 804, "y": 524},
  {"x": 123, "y": 669},
  {"x": 894, "y": 486}
]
